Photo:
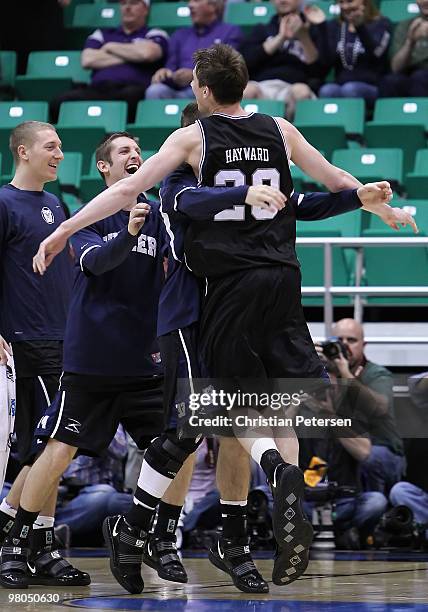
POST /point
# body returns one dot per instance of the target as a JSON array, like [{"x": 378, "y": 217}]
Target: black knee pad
[{"x": 167, "y": 453}]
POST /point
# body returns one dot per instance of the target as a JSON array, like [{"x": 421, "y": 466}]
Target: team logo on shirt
[
  {"x": 47, "y": 215},
  {"x": 156, "y": 357}
]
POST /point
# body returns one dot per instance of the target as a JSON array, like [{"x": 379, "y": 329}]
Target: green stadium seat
[
  {"x": 249, "y": 14},
  {"x": 274, "y": 108},
  {"x": 327, "y": 123},
  {"x": 97, "y": 15},
  {"x": 331, "y": 9},
  {"x": 169, "y": 16},
  {"x": 403, "y": 266},
  {"x": 69, "y": 173},
  {"x": 396, "y": 10},
  {"x": 155, "y": 120},
  {"x": 82, "y": 125},
  {"x": 7, "y": 67},
  {"x": 370, "y": 165},
  {"x": 11, "y": 114},
  {"x": 401, "y": 123},
  {"x": 417, "y": 180},
  {"x": 50, "y": 73}
]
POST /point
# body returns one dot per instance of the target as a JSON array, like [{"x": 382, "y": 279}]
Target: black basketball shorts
[
  {"x": 253, "y": 326},
  {"x": 87, "y": 410}
]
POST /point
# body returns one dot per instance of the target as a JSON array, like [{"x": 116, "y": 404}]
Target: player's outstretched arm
[
  {"x": 180, "y": 194},
  {"x": 335, "y": 179},
  {"x": 175, "y": 150}
]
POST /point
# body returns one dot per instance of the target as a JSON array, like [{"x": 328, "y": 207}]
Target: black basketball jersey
[{"x": 243, "y": 150}]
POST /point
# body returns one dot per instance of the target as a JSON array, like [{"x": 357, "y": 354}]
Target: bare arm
[
  {"x": 335, "y": 179},
  {"x": 359, "y": 448},
  {"x": 313, "y": 163},
  {"x": 141, "y": 51},
  {"x": 93, "y": 59},
  {"x": 175, "y": 150}
]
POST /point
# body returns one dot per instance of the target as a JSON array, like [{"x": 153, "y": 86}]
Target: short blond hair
[{"x": 25, "y": 134}]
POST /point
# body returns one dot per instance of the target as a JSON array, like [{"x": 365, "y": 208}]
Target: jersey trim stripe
[
  {"x": 45, "y": 391},
  {"x": 94, "y": 246},
  {"x": 165, "y": 218},
  {"x": 189, "y": 365},
  {"x": 61, "y": 410},
  {"x": 202, "y": 160},
  {"x": 178, "y": 194},
  {"x": 285, "y": 146},
  {"x": 234, "y": 117}
]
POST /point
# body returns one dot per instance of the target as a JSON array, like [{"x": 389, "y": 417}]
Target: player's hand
[
  {"x": 161, "y": 75},
  {"x": 5, "y": 350},
  {"x": 372, "y": 194},
  {"x": 137, "y": 218},
  {"x": 264, "y": 196},
  {"x": 396, "y": 217},
  {"x": 49, "y": 249}
]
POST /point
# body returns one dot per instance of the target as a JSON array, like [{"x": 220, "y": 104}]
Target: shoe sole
[
  {"x": 293, "y": 532},
  {"x": 218, "y": 563},
  {"x": 7, "y": 585},
  {"x": 108, "y": 538},
  {"x": 148, "y": 561},
  {"x": 47, "y": 581}
]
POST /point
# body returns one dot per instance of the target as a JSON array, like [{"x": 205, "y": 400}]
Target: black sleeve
[{"x": 252, "y": 48}]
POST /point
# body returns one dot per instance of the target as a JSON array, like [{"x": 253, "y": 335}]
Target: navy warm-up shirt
[
  {"x": 111, "y": 327},
  {"x": 182, "y": 202},
  {"x": 32, "y": 307}
]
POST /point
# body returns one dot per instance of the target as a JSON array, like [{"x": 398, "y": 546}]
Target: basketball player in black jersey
[{"x": 255, "y": 248}]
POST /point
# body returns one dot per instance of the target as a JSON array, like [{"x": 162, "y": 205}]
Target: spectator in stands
[
  {"x": 385, "y": 464},
  {"x": 356, "y": 47},
  {"x": 122, "y": 59},
  {"x": 409, "y": 57},
  {"x": 282, "y": 55},
  {"x": 91, "y": 489},
  {"x": 357, "y": 512},
  {"x": 173, "y": 81},
  {"x": 413, "y": 493}
]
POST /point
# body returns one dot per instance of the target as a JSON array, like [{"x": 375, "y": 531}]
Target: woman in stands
[{"x": 356, "y": 46}]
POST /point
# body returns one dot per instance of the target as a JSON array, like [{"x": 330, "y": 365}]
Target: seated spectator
[
  {"x": 409, "y": 57},
  {"x": 173, "y": 81},
  {"x": 122, "y": 59},
  {"x": 413, "y": 492},
  {"x": 355, "y": 516},
  {"x": 356, "y": 47},
  {"x": 92, "y": 489},
  {"x": 385, "y": 464},
  {"x": 282, "y": 55}
]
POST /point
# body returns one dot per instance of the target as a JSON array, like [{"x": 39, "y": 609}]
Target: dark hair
[
  {"x": 103, "y": 151},
  {"x": 190, "y": 114},
  {"x": 25, "y": 134},
  {"x": 223, "y": 70}
]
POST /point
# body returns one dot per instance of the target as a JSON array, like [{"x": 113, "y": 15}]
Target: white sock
[
  {"x": 260, "y": 446},
  {"x": 7, "y": 508},
  {"x": 152, "y": 481},
  {"x": 44, "y": 522},
  {"x": 234, "y": 503}
]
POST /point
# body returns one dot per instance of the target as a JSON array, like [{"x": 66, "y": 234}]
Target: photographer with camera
[{"x": 372, "y": 385}]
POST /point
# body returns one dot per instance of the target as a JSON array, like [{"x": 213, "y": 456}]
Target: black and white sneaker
[
  {"x": 233, "y": 556},
  {"x": 162, "y": 556},
  {"x": 48, "y": 567},
  {"x": 292, "y": 530},
  {"x": 13, "y": 566},
  {"x": 126, "y": 545}
]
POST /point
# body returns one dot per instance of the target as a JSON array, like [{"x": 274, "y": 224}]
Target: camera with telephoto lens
[{"x": 333, "y": 347}]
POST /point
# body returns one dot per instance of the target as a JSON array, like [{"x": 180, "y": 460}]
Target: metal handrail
[{"x": 358, "y": 291}]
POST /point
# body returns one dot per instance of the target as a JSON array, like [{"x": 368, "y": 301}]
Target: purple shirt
[
  {"x": 185, "y": 41},
  {"x": 129, "y": 72}
]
